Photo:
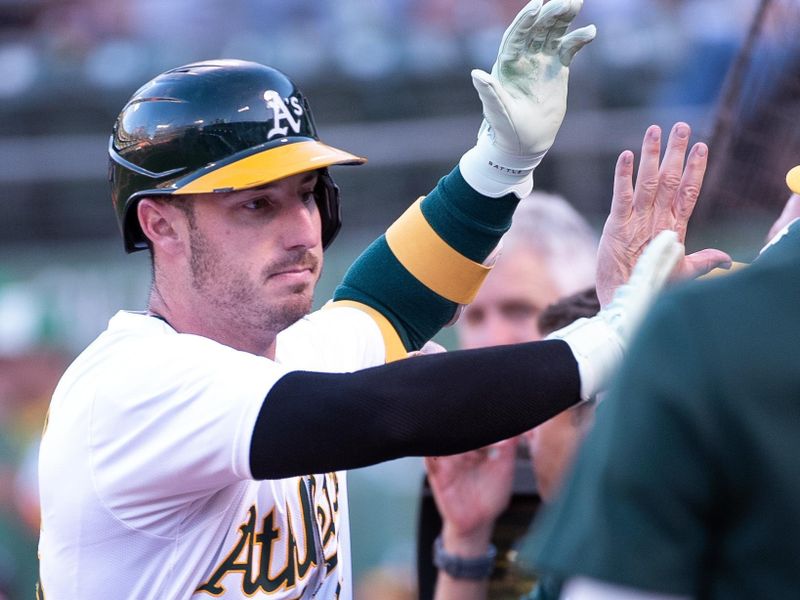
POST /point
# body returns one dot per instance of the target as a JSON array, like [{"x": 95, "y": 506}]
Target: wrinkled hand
[
  {"x": 599, "y": 343},
  {"x": 664, "y": 197},
  {"x": 473, "y": 488},
  {"x": 525, "y": 97}
]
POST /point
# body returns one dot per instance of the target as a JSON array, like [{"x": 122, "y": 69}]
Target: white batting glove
[
  {"x": 525, "y": 97},
  {"x": 599, "y": 343}
]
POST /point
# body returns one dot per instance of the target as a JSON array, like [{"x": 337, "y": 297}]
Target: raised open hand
[
  {"x": 663, "y": 197},
  {"x": 473, "y": 488},
  {"x": 529, "y": 77},
  {"x": 525, "y": 97}
]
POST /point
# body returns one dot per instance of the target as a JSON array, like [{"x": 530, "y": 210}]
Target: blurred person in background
[
  {"x": 553, "y": 443},
  {"x": 549, "y": 252},
  {"x": 475, "y": 488}
]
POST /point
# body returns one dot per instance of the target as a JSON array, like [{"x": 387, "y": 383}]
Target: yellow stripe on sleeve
[
  {"x": 395, "y": 349},
  {"x": 431, "y": 260}
]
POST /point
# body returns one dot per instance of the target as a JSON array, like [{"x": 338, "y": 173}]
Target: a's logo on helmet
[{"x": 281, "y": 112}]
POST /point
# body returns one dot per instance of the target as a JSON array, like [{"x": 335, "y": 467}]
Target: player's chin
[
  {"x": 292, "y": 308},
  {"x": 298, "y": 298}
]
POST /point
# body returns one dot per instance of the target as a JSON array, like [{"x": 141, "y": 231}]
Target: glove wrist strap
[
  {"x": 495, "y": 173},
  {"x": 597, "y": 348}
]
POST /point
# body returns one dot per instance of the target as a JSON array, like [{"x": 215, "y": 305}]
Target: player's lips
[
  {"x": 294, "y": 275},
  {"x": 300, "y": 266}
]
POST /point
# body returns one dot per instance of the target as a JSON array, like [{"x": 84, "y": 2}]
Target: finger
[
  {"x": 493, "y": 96},
  {"x": 647, "y": 178},
  {"x": 552, "y": 23},
  {"x": 671, "y": 175},
  {"x": 517, "y": 36},
  {"x": 723, "y": 269},
  {"x": 561, "y": 21},
  {"x": 689, "y": 191},
  {"x": 571, "y": 43},
  {"x": 701, "y": 262},
  {"x": 622, "y": 197}
]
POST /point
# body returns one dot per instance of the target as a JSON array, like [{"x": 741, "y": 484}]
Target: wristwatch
[{"x": 458, "y": 567}]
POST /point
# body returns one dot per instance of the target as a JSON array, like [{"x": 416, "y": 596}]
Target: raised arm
[
  {"x": 433, "y": 259},
  {"x": 430, "y": 405}
]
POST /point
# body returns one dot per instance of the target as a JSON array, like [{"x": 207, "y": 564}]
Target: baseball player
[{"x": 198, "y": 449}]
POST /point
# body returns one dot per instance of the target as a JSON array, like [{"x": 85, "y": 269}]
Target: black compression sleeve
[{"x": 423, "y": 406}]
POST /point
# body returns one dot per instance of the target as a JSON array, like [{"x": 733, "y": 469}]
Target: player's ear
[{"x": 163, "y": 224}]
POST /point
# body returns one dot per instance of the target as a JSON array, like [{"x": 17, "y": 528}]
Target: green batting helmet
[{"x": 217, "y": 126}]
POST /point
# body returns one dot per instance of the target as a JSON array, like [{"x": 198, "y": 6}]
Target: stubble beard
[{"x": 240, "y": 302}]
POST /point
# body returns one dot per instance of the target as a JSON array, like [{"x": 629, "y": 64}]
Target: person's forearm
[
  {"x": 429, "y": 406},
  {"x": 430, "y": 260},
  {"x": 474, "y": 545}
]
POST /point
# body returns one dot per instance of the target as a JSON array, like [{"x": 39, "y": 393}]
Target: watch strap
[{"x": 460, "y": 567}]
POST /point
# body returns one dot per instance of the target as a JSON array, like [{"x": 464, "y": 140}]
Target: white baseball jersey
[{"x": 146, "y": 488}]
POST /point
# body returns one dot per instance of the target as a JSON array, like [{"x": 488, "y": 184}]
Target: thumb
[
  {"x": 702, "y": 262},
  {"x": 491, "y": 94}
]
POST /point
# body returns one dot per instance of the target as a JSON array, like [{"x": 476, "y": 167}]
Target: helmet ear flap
[{"x": 327, "y": 196}]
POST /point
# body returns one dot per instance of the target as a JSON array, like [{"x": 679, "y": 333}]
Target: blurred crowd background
[{"x": 387, "y": 79}]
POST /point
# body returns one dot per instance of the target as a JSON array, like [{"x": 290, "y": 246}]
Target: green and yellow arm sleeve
[{"x": 413, "y": 278}]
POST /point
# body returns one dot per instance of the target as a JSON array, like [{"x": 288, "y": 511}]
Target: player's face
[
  {"x": 256, "y": 255},
  {"x": 507, "y": 307}
]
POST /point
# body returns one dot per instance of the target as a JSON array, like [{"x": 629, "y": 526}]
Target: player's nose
[{"x": 300, "y": 225}]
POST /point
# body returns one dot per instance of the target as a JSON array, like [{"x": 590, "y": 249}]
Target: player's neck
[{"x": 206, "y": 323}]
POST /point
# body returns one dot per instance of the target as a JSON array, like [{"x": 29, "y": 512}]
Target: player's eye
[
  {"x": 309, "y": 197},
  {"x": 258, "y": 204}
]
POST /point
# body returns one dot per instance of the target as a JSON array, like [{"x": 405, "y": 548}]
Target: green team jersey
[{"x": 689, "y": 482}]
